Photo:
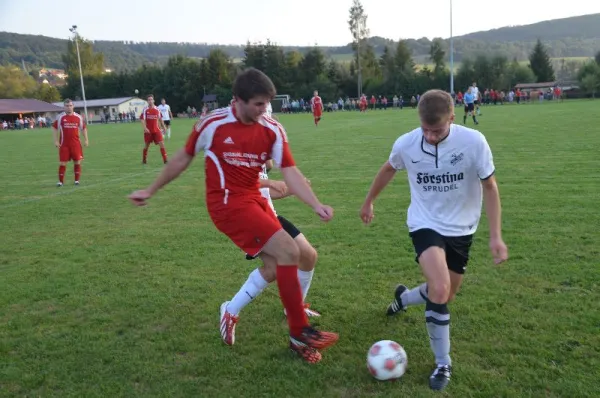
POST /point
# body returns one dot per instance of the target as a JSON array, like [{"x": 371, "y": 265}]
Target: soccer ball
[{"x": 387, "y": 360}]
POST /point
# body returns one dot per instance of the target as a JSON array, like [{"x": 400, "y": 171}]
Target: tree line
[{"x": 569, "y": 37}]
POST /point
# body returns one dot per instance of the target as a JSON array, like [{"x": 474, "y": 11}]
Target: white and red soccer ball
[{"x": 387, "y": 360}]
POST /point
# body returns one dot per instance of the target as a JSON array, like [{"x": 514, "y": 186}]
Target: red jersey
[
  {"x": 68, "y": 126},
  {"x": 316, "y": 103},
  {"x": 235, "y": 153},
  {"x": 151, "y": 115}
]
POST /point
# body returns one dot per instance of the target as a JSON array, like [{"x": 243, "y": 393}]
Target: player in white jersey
[
  {"x": 165, "y": 111},
  {"x": 260, "y": 278},
  {"x": 450, "y": 168},
  {"x": 477, "y": 94}
]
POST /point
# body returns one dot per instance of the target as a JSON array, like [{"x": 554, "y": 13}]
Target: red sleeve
[
  {"x": 55, "y": 124},
  {"x": 287, "y": 159},
  {"x": 190, "y": 145},
  {"x": 142, "y": 115}
]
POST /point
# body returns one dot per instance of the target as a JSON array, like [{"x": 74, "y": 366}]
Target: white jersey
[
  {"x": 265, "y": 191},
  {"x": 475, "y": 92},
  {"x": 269, "y": 110},
  {"x": 445, "y": 179},
  {"x": 165, "y": 111}
]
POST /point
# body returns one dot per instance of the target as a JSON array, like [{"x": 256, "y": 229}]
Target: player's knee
[
  {"x": 308, "y": 258},
  {"x": 268, "y": 273},
  {"x": 438, "y": 291},
  {"x": 289, "y": 253}
]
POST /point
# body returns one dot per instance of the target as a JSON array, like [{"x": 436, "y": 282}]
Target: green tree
[
  {"x": 91, "y": 63},
  {"x": 14, "y": 83},
  {"x": 48, "y": 93},
  {"x": 358, "y": 28},
  {"x": 589, "y": 78},
  {"x": 540, "y": 64},
  {"x": 437, "y": 55}
]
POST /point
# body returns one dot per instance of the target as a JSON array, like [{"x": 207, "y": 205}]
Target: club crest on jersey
[{"x": 456, "y": 158}]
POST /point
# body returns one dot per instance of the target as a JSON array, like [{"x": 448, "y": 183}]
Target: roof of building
[
  {"x": 537, "y": 85},
  {"x": 26, "y": 105},
  {"x": 100, "y": 102}
]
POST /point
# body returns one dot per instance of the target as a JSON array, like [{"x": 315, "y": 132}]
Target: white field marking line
[{"x": 75, "y": 189}]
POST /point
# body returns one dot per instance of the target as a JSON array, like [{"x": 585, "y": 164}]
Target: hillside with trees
[{"x": 568, "y": 37}]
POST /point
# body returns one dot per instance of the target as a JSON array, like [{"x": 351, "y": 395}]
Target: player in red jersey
[
  {"x": 316, "y": 104},
  {"x": 66, "y": 139},
  {"x": 151, "y": 119},
  {"x": 237, "y": 141},
  {"x": 363, "y": 103}
]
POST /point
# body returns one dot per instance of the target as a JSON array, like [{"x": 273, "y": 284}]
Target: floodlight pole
[
  {"x": 451, "y": 53},
  {"x": 73, "y": 30}
]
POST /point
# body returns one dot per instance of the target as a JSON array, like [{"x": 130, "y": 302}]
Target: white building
[{"x": 109, "y": 106}]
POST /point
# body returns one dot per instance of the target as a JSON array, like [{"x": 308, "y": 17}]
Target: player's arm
[
  {"x": 382, "y": 179},
  {"x": 162, "y": 123},
  {"x": 172, "y": 170},
  {"x": 493, "y": 208},
  {"x": 298, "y": 185},
  {"x": 277, "y": 189},
  {"x": 143, "y": 121},
  {"x": 85, "y": 135},
  {"x": 170, "y": 114},
  {"x": 55, "y": 135}
]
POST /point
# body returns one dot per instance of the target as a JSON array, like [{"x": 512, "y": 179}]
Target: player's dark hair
[
  {"x": 435, "y": 105},
  {"x": 252, "y": 83},
  {"x": 149, "y": 95},
  {"x": 67, "y": 101}
]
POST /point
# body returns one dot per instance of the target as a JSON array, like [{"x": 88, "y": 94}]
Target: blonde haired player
[{"x": 450, "y": 171}]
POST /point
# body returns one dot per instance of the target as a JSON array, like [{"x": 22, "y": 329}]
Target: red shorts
[
  {"x": 70, "y": 151},
  {"x": 317, "y": 112},
  {"x": 249, "y": 223},
  {"x": 149, "y": 138}
]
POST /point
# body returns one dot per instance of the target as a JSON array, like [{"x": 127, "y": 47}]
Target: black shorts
[
  {"x": 167, "y": 122},
  {"x": 469, "y": 108},
  {"x": 476, "y": 102},
  {"x": 456, "y": 247},
  {"x": 287, "y": 227}
]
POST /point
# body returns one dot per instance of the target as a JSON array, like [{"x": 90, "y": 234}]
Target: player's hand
[
  {"x": 146, "y": 130},
  {"x": 324, "y": 212},
  {"x": 57, "y": 144},
  {"x": 499, "y": 250},
  {"x": 366, "y": 212},
  {"x": 307, "y": 181},
  {"x": 87, "y": 143},
  {"x": 139, "y": 198},
  {"x": 279, "y": 186}
]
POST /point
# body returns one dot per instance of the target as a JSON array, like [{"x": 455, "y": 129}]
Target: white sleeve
[
  {"x": 396, "y": 156},
  {"x": 484, "y": 159}
]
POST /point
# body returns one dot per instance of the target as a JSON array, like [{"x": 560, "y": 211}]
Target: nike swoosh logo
[{"x": 415, "y": 161}]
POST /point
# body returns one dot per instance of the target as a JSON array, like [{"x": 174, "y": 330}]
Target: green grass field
[{"x": 101, "y": 299}]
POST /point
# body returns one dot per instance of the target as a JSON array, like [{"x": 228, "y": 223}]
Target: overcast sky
[{"x": 301, "y": 22}]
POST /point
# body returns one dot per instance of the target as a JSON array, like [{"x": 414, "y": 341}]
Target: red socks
[
  {"x": 291, "y": 297},
  {"x": 77, "y": 171},
  {"x": 145, "y": 155},
  {"x": 61, "y": 173},
  {"x": 163, "y": 152}
]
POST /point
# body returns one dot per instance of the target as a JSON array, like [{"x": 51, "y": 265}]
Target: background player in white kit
[
  {"x": 260, "y": 278},
  {"x": 447, "y": 166},
  {"x": 166, "y": 114},
  {"x": 477, "y": 95}
]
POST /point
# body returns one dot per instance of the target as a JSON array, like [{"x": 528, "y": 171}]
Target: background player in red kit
[
  {"x": 66, "y": 138},
  {"x": 153, "y": 127},
  {"x": 237, "y": 141},
  {"x": 316, "y": 104}
]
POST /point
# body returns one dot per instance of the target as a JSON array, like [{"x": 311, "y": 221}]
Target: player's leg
[
  {"x": 64, "y": 155},
  {"x": 147, "y": 142},
  {"x": 472, "y": 109},
  {"x": 255, "y": 229},
  {"x": 466, "y": 113},
  {"x": 168, "y": 129},
  {"x": 161, "y": 143},
  {"x": 431, "y": 253},
  {"x": 77, "y": 156},
  {"x": 457, "y": 258},
  {"x": 257, "y": 281}
]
